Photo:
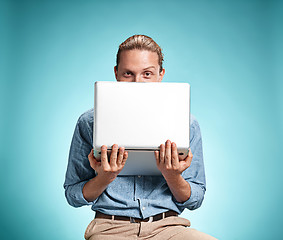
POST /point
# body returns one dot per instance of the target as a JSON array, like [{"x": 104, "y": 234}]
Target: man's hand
[
  {"x": 171, "y": 167},
  {"x": 168, "y": 162},
  {"x": 109, "y": 169},
  {"x": 106, "y": 171}
]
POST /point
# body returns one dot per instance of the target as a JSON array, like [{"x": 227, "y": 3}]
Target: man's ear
[
  {"x": 115, "y": 71},
  {"x": 161, "y": 75}
]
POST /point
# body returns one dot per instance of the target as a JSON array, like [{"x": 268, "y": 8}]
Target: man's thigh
[
  {"x": 191, "y": 234},
  {"x": 174, "y": 228}
]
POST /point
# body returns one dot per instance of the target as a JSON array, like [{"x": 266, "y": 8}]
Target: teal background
[{"x": 230, "y": 52}]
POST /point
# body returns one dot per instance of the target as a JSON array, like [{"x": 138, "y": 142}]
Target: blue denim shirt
[{"x": 133, "y": 196}]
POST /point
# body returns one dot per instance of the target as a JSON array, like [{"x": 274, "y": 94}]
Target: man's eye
[
  {"x": 147, "y": 74},
  {"x": 128, "y": 73}
]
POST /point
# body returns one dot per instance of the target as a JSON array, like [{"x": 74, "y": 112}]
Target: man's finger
[
  {"x": 120, "y": 155},
  {"x": 175, "y": 157},
  {"x": 125, "y": 157},
  {"x": 113, "y": 156},
  {"x": 188, "y": 160},
  {"x": 168, "y": 153},
  {"x": 162, "y": 153},
  {"x": 90, "y": 156},
  {"x": 104, "y": 158},
  {"x": 92, "y": 161},
  {"x": 156, "y": 154}
]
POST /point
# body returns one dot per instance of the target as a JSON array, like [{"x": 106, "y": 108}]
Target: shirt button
[{"x": 143, "y": 208}]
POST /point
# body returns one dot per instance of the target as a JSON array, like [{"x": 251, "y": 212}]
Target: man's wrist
[
  {"x": 173, "y": 177},
  {"x": 105, "y": 179}
]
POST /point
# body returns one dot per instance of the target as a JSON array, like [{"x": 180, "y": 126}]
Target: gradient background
[{"x": 230, "y": 52}]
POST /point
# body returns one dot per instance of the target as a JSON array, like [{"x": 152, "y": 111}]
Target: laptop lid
[{"x": 140, "y": 117}]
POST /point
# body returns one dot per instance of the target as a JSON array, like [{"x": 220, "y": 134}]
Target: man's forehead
[{"x": 144, "y": 58}]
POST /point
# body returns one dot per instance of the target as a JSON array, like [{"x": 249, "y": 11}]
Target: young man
[{"x": 136, "y": 207}]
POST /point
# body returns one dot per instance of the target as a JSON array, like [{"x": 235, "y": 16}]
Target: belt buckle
[{"x": 132, "y": 220}]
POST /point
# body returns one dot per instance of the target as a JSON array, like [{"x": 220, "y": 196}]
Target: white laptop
[{"x": 140, "y": 117}]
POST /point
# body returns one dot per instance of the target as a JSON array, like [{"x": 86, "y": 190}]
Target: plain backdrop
[{"x": 230, "y": 52}]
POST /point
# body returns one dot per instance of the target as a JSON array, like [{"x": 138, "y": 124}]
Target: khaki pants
[{"x": 168, "y": 228}]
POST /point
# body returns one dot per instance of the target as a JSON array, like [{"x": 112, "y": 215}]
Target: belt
[{"x": 136, "y": 220}]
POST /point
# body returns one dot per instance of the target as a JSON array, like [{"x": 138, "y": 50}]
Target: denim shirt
[{"x": 132, "y": 196}]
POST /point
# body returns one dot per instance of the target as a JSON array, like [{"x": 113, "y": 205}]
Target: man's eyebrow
[
  {"x": 149, "y": 67},
  {"x": 127, "y": 70}
]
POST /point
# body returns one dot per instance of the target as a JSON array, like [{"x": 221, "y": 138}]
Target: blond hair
[{"x": 140, "y": 42}]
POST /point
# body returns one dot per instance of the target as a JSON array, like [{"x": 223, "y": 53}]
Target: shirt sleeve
[
  {"x": 79, "y": 171},
  {"x": 195, "y": 174}
]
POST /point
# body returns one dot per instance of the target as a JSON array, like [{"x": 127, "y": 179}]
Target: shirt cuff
[
  {"x": 78, "y": 197},
  {"x": 193, "y": 200}
]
